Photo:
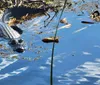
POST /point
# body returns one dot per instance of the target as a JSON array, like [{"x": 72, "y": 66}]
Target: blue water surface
[{"x": 76, "y": 58}]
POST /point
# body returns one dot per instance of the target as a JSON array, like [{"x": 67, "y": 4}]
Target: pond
[{"x": 76, "y": 57}]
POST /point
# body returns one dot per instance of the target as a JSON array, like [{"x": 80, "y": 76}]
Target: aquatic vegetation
[
  {"x": 91, "y": 7},
  {"x": 11, "y": 16}
]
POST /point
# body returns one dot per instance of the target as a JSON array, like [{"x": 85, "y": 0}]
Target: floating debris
[
  {"x": 50, "y": 40},
  {"x": 87, "y": 22},
  {"x": 64, "y": 21},
  {"x": 13, "y": 21},
  {"x": 37, "y": 58},
  {"x": 15, "y": 57},
  {"x": 1, "y": 45},
  {"x": 3, "y": 54},
  {"x": 39, "y": 32}
]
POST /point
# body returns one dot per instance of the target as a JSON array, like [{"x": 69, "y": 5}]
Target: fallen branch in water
[{"x": 87, "y": 22}]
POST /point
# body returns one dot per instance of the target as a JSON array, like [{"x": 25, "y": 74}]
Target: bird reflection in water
[{"x": 12, "y": 35}]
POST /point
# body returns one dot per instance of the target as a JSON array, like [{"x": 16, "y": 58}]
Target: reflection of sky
[
  {"x": 89, "y": 73},
  {"x": 76, "y": 59}
]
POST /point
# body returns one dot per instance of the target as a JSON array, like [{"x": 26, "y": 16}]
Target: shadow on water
[{"x": 15, "y": 15}]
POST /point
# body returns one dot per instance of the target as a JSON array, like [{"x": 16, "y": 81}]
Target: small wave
[
  {"x": 16, "y": 72},
  {"x": 86, "y": 53},
  {"x": 6, "y": 63},
  {"x": 80, "y": 30},
  {"x": 89, "y": 72}
]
